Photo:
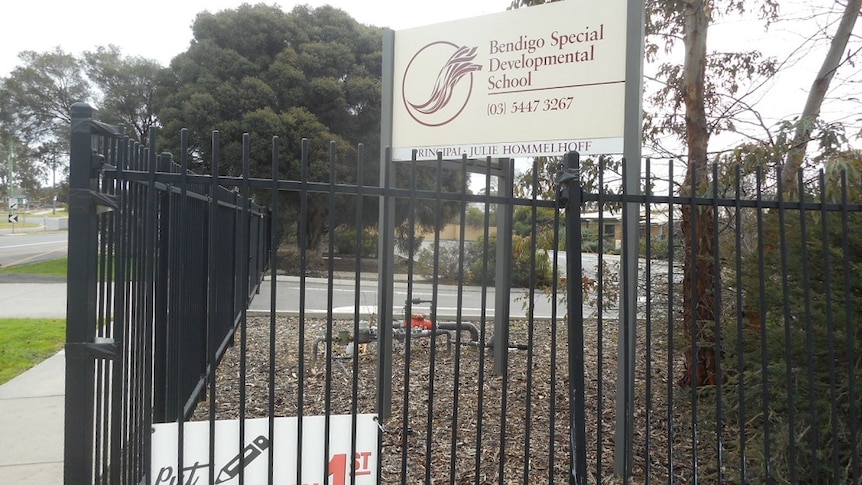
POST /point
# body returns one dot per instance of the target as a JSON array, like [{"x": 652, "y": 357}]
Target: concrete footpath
[{"x": 32, "y": 404}]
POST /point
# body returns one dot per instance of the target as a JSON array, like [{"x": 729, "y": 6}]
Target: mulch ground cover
[{"x": 457, "y": 421}]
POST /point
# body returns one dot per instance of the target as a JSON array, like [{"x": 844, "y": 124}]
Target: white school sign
[{"x": 535, "y": 81}]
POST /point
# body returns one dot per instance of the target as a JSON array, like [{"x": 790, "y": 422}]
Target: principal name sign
[{"x": 535, "y": 81}]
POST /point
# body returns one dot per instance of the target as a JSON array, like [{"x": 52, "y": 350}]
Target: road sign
[
  {"x": 13, "y": 206},
  {"x": 13, "y": 218}
]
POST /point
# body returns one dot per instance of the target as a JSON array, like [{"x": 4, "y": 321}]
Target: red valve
[{"x": 419, "y": 320}]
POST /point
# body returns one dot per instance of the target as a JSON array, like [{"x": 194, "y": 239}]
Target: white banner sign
[
  {"x": 252, "y": 459},
  {"x": 534, "y": 81}
]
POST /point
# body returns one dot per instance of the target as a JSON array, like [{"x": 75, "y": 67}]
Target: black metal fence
[
  {"x": 747, "y": 347},
  {"x": 162, "y": 265}
]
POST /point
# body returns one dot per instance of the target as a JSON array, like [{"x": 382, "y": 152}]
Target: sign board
[
  {"x": 535, "y": 81},
  {"x": 252, "y": 459},
  {"x": 13, "y": 218}
]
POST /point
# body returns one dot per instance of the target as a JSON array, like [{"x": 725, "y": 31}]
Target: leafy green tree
[
  {"x": 35, "y": 103},
  {"x": 125, "y": 89},
  {"x": 540, "y": 177},
  {"x": 310, "y": 73},
  {"x": 27, "y": 172},
  {"x": 524, "y": 224},
  {"x": 54, "y": 168},
  {"x": 261, "y": 71},
  {"x": 475, "y": 217},
  {"x": 37, "y": 96},
  {"x": 696, "y": 88},
  {"x": 805, "y": 125},
  {"x": 320, "y": 63}
]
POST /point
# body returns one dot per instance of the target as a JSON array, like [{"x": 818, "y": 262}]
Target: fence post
[
  {"x": 81, "y": 349},
  {"x": 569, "y": 196},
  {"x": 81, "y": 301}
]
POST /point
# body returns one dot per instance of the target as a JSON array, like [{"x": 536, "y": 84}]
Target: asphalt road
[
  {"x": 22, "y": 247},
  {"x": 38, "y": 245},
  {"x": 343, "y": 296}
]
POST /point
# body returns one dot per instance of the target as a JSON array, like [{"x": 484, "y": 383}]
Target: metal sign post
[
  {"x": 386, "y": 241},
  {"x": 632, "y": 139}
]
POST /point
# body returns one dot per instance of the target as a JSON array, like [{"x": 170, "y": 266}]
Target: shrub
[
  {"x": 589, "y": 240},
  {"x": 522, "y": 259},
  {"x": 345, "y": 243},
  {"x": 289, "y": 262},
  {"x": 659, "y": 249},
  {"x": 794, "y": 381},
  {"x": 448, "y": 258},
  {"x": 475, "y": 272}
]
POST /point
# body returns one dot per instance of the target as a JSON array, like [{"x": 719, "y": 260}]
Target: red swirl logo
[{"x": 436, "y": 100}]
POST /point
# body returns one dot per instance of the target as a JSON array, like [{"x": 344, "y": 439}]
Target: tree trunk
[
  {"x": 819, "y": 87},
  {"x": 698, "y": 228},
  {"x": 697, "y": 224},
  {"x": 310, "y": 233},
  {"x": 315, "y": 230}
]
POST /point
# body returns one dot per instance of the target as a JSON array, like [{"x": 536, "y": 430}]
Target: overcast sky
[{"x": 161, "y": 29}]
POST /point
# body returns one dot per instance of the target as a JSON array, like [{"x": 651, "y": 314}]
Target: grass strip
[
  {"x": 25, "y": 342},
  {"x": 52, "y": 267}
]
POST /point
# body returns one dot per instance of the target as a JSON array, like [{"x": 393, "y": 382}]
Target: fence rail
[{"x": 747, "y": 346}]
